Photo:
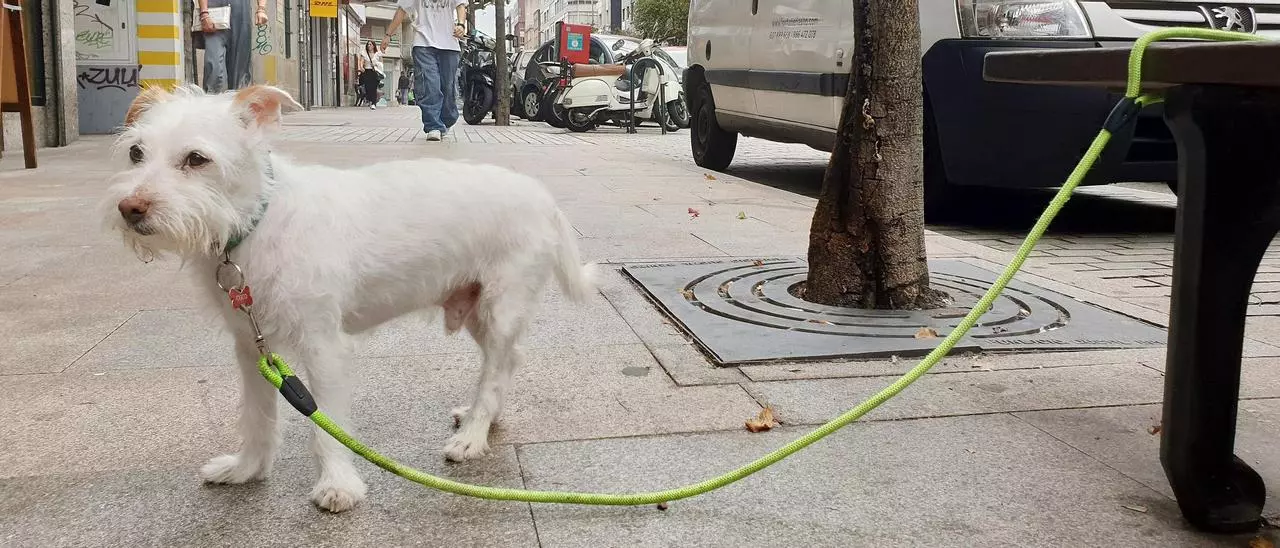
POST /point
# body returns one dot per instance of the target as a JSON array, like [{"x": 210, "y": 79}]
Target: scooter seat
[{"x": 584, "y": 71}]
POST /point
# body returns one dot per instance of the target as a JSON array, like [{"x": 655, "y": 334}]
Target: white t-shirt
[
  {"x": 374, "y": 62},
  {"x": 433, "y": 22}
]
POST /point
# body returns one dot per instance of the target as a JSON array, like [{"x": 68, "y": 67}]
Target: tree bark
[
  {"x": 866, "y": 243},
  {"x": 502, "y": 106},
  {"x": 472, "y": 6}
]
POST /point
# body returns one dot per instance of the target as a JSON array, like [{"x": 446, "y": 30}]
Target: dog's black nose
[{"x": 133, "y": 209}]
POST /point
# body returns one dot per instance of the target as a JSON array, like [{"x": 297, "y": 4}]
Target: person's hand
[
  {"x": 260, "y": 17},
  {"x": 459, "y": 31},
  {"x": 206, "y": 23},
  {"x": 386, "y": 41}
]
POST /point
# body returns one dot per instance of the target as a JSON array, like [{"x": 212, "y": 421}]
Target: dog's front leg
[
  {"x": 258, "y": 429},
  {"x": 328, "y": 359}
]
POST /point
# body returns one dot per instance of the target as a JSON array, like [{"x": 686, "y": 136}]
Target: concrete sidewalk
[{"x": 115, "y": 388}]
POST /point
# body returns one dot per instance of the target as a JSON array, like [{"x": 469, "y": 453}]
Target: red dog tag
[{"x": 240, "y": 298}]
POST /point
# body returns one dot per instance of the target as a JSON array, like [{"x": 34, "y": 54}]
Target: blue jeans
[{"x": 434, "y": 87}]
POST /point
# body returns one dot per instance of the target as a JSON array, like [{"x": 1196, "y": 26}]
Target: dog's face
[{"x": 194, "y": 167}]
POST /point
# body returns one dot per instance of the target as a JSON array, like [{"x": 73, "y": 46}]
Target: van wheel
[{"x": 713, "y": 147}]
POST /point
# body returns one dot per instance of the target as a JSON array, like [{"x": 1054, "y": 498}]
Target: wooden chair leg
[{"x": 22, "y": 79}]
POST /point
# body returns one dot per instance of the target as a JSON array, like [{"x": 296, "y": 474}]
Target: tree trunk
[
  {"x": 472, "y": 6},
  {"x": 866, "y": 243},
  {"x": 502, "y": 106}
]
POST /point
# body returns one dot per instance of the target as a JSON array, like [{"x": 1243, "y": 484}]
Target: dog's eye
[
  {"x": 135, "y": 154},
  {"x": 195, "y": 159}
]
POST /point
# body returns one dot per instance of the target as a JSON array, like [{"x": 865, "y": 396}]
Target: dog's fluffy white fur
[{"x": 336, "y": 253}]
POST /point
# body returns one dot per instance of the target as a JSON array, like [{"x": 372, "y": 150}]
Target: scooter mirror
[{"x": 618, "y": 45}]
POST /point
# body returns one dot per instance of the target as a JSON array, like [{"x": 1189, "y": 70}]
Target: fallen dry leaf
[
  {"x": 687, "y": 293},
  {"x": 1155, "y": 429},
  {"x": 663, "y": 506},
  {"x": 710, "y": 177},
  {"x": 1261, "y": 542},
  {"x": 927, "y": 333},
  {"x": 694, "y": 213},
  {"x": 1135, "y": 508},
  {"x": 764, "y": 421},
  {"x": 758, "y": 262},
  {"x": 742, "y": 215},
  {"x": 823, "y": 322}
]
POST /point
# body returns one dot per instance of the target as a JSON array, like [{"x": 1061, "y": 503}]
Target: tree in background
[
  {"x": 661, "y": 19},
  {"x": 866, "y": 244}
]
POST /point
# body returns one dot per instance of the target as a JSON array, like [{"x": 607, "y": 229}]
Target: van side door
[
  {"x": 800, "y": 54},
  {"x": 720, "y": 40}
]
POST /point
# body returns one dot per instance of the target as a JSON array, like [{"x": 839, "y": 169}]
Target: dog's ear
[
  {"x": 147, "y": 98},
  {"x": 263, "y": 106}
]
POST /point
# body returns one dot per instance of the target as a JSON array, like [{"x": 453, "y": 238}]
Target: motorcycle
[
  {"x": 476, "y": 79},
  {"x": 642, "y": 87}
]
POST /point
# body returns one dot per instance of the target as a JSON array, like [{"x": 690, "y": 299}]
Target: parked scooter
[
  {"x": 476, "y": 78},
  {"x": 643, "y": 87}
]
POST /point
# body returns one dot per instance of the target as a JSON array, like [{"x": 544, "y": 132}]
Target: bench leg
[{"x": 1228, "y": 212}]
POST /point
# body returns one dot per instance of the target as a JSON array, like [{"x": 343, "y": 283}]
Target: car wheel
[
  {"x": 713, "y": 147},
  {"x": 531, "y": 100}
]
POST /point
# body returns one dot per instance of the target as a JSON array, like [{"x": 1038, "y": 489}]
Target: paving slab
[
  {"x": 115, "y": 420},
  {"x": 967, "y": 362},
  {"x": 161, "y": 339},
  {"x": 972, "y": 481},
  {"x": 817, "y": 401},
  {"x": 165, "y": 508},
  {"x": 1127, "y": 439}
]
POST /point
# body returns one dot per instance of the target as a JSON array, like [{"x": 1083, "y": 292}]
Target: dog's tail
[{"x": 576, "y": 279}]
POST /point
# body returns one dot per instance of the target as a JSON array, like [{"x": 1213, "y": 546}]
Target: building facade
[{"x": 89, "y": 58}]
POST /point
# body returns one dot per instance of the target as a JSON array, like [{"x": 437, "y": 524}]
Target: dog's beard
[{"x": 195, "y": 222}]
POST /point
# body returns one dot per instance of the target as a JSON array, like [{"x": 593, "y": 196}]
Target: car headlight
[{"x": 1022, "y": 19}]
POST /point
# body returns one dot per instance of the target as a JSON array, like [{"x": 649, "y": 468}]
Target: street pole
[{"x": 502, "y": 110}]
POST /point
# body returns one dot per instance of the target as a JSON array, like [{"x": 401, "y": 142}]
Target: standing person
[
  {"x": 371, "y": 73},
  {"x": 402, "y": 87},
  {"x": 437, "y": 26},
  {"x": 227, "y": 51}
]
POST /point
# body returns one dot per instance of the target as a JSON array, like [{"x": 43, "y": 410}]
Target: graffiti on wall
[
  {"x": 262, "y": 40},
  {"x": 101, "y": 32},
  {"x": 100, "y": 78}
]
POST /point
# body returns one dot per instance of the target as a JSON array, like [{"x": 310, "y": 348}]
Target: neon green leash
[{"x": 278, "y": 373}]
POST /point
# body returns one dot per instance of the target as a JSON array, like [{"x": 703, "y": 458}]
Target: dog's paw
[
  {"x": 232, "y": 469},
  {"x": 338, "y": 495},
  {"x": 459, "y": 414},
  {"x": 461, "y": 448}
]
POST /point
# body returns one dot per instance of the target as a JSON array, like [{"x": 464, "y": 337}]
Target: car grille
[{"x": 1185, "y": 14}]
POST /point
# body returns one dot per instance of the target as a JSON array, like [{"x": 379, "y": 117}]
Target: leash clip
[{"x": 230, "y": 279}]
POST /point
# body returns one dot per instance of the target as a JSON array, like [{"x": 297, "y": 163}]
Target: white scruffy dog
[{"x": 329, "y": 253}]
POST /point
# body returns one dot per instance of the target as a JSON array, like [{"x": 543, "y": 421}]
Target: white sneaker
[
  {"x": 433, "y": 135},
  {"x": 373, "y": 107}
]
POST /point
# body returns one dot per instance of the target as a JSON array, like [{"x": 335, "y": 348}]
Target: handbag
[{"x": 221, "y": 18}]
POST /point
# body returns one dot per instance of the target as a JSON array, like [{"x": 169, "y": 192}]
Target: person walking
[
  {"x": 437, "y": 26},
  {"x": 402, "y": 88},
  {"x": 227, "y": 50},
  {"x": 371, "y": 73}
]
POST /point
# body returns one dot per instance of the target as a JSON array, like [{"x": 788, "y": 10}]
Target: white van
[{"x": 779, "y": 69}]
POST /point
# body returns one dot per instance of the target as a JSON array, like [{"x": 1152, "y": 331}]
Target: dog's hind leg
[
  {"x": 258, "y": 429},
  {"x": 498, "y": 326},
  {"x": 326, "y": 355}
]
